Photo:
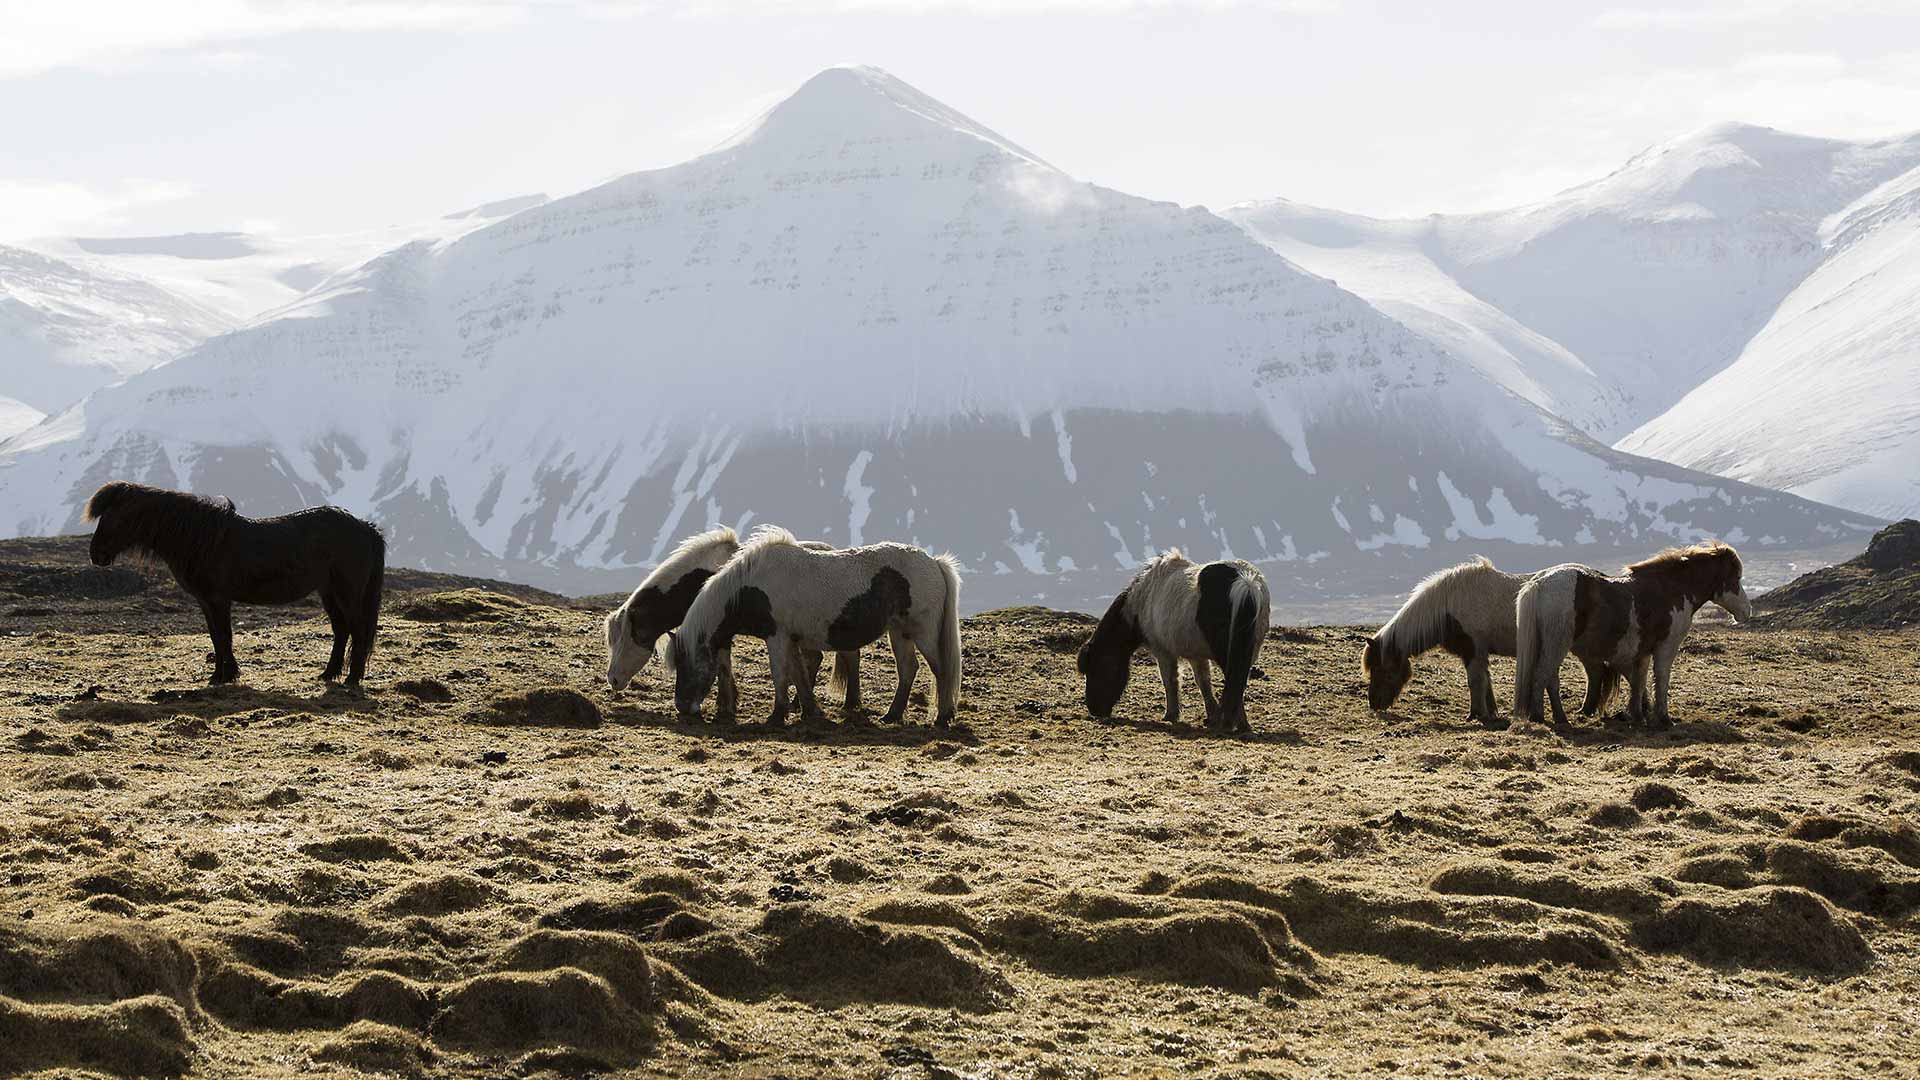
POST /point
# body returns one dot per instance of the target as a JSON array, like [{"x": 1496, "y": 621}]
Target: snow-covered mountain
[
  {"x": 243, "y": 276},
  {"x": 870, "y": 317},
  {"x": 66, "y": 329},
  {"x": 1825, "y": 400},
  {"x": 17, "y": 416},
  {"x": 1611, "y": 301}
]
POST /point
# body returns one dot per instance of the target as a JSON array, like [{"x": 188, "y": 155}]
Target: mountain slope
[
  {"x": 870, "y": 317},
  {"x": 1825, "y": 400},
  {"x": 243, "y": 275},
  {"x": 17, "y": 416},
  {"x": 1391, "y": 264},
  {"x": 66, "y": 329},
  {"x": 1652, "y": 278}
]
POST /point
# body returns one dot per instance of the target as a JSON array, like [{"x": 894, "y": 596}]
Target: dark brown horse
[{"x": 224, "y": 559}]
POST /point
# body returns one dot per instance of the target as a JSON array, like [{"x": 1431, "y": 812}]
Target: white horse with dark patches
[
  {"x": 798, "y": 599},
  {"x": 635, "y": 628},
  {"x": 1181, "y": 610},
  {"x": 1636, "y": 622},
  {"x": 1467, "y": 610}
]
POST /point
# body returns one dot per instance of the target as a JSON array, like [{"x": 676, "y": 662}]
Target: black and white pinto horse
[
  {"x": 635, "y": 629},
  {"x": 798, "y": 598},
  {"x": 223, "y": 559},
  {"x": 1468, "y": 610},
  {"x": 1634, "y": 622},
  {"x": 1180, "y": 610}
]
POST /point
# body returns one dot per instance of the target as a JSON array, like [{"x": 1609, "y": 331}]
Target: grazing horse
[
  {"x": 798, "y": 599},
  {"x": 1467, "y": 610},
  {"x": 635, "y": 628},
  {"x": 1634, "y": 621},
  {"x": 1180, "y": 610},
  {"x": 224, "y": 559}
]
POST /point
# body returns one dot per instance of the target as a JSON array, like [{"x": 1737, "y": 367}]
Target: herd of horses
[{"x": 806, "y": 599}]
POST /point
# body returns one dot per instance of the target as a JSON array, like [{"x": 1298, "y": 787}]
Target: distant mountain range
[
  {"x": 1740, "y": 300},
  {"x": 871, "y": 317}
]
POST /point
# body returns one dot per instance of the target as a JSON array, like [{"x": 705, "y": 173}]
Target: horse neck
[
  {"x": 708, "y": 557},
  {"x": 1119, "y": 629},
  {"x": 1421, "y": 623},
  {"x": 177, "y": 535}
]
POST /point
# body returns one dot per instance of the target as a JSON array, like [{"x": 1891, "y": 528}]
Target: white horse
[
  {"x": 635, "y": 628},
  {"x": 1635, "y": 622},
  {"x": 1467, "y": 610},
  {"x": 798, "y": 598},
  {"x": 1180, "y": 611}
]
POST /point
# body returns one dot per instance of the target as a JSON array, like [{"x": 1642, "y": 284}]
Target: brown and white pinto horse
[
  {"x": 1468, "y": 610},
  {"x": 1636, "y": 621}
]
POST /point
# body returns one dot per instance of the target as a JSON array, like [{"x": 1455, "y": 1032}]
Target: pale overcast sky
[{"x": 143, "y": 116}]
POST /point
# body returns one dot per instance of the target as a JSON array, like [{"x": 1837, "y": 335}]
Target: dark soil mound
[{"x": 1880, "y": 588}]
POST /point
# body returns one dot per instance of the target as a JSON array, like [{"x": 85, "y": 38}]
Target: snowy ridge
[
  {"x": 859, "y": 320},
  {"x": 1609, "y": 302},
  {"x": 66, "y": 329},
  {"x": 1825, "y": 400},
  {"x": 16, "y": 417}
]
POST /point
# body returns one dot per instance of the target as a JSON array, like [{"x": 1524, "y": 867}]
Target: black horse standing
[{"x": 224, "y": 559}]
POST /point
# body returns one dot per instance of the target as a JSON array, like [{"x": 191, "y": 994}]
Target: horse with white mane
[
  {"x": 797, "y": 599},
  {"x": 1181, "y": 610},
  {"x": 635, "y": 628},
  {"x": 1467, "y": 610},
  {"x": 1636, "y": 621}
]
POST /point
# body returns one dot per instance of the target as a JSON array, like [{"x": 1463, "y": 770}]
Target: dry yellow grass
[{"x": 505, "y": 868}]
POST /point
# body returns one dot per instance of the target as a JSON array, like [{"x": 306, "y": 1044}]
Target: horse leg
[
  {"x": 338, "y": 617},
  {"x": 1480, "y": 704},
  {"x": 809, "y": 665},
  {"x": 941, "y": 717},
  {"x": 1637, "y": 689},
  {"x": 906, "y": 663},
  {"x": 780, "y": 664},
  {"x": 364, "y": 623},
  {"x": 1662, "y": 676},
  {"x": 1170, "y": 680},
  {"x": 726, "y": 695},
  {"x": 1553, "y": 697},
  {"x": 219, "y": 615},
  {"x": 846, "y": 672},
  {"x": 1203, "y": 675},
  {"x": 1599, "y": 680}
]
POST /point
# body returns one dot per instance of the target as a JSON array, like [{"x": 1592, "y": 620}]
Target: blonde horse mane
[{"x": 1421, "y": 622}]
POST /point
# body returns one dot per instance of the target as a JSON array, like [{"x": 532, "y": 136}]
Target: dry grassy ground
[{"x": 461, "y": 874}]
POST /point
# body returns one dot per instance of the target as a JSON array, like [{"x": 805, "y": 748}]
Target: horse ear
[{"x": 1371, "y": 658}]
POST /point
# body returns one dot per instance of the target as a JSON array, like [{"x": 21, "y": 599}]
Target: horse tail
[
  {"x": 948, "y": 647},
  {"x": 1526, "y": 648},
  {"x": 846, "y": 672},
  {"x": 375, "y": 587},
  {"x": 1246, "y": 628}
]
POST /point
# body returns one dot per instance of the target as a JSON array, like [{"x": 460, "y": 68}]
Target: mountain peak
[{"x": 857, "y": 101}]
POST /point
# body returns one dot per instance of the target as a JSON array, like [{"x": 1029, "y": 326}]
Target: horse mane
[
  {"x": 691, "y": 547},
  {"x": 701, "y": 541},
  {"x": 758, "y": 543},
  {"x": 762, "y": 540},
  {"x": 1421, "y": 622},
  {"x": 1676, "y": 558},
  {"x": 175, "y": 525}
]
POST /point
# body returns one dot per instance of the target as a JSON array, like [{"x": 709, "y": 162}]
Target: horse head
[
  {"x": 693, "y": 671},
  {"x": 1388, "y": 672},
  {"x": 629, "y": 647}
]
